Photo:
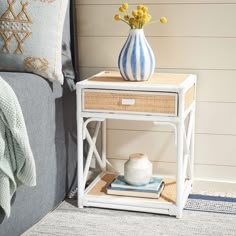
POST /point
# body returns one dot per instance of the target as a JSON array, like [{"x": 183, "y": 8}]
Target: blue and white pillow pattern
[{"x": 31, "y": 36}]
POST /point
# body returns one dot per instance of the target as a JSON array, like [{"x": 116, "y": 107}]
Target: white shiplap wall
[{"x": 200, "y": 38}]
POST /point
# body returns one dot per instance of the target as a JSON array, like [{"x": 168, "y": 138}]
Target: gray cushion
[
  {"x": 31, "y": 36},
  {"x": 50, "y": 120}
]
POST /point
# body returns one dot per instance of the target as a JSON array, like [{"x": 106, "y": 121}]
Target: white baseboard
[{"x": 214, "y": 188}]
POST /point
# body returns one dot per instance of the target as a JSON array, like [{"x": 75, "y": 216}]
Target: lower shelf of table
[{"x": 95, "y": 195}]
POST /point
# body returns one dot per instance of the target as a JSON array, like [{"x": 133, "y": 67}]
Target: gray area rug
[{"x": 202, "y": 216}]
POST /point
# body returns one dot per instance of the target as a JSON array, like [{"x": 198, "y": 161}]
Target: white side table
[{"x": 164, "y": 99}]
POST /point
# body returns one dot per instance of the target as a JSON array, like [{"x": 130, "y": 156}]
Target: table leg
[
  {"x": 80, "y": 161},
  {"x": 179, "y": 170}
]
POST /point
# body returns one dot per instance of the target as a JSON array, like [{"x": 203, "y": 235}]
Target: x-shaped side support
[
  {"x": 92, "y": 146},
  {"x": 188, "y": 135}
]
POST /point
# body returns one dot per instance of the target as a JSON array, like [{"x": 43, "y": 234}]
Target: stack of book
[{"x": 151, "y": 190}]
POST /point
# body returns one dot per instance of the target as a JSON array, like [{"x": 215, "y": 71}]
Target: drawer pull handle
[{"x": 126, "y": 101}]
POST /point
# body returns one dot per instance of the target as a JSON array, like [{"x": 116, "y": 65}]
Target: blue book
[
  {"x": 154, "y": 184},
  {"x": 135, "y": 192}
]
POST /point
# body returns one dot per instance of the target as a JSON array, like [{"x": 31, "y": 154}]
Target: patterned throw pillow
[{"x": 31, "y": 36}]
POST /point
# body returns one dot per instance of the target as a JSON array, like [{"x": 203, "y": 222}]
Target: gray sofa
[{"x": 50, "y": 117}]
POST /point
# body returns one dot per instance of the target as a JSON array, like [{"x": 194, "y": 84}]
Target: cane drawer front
[{"x": 130, "y": 102}]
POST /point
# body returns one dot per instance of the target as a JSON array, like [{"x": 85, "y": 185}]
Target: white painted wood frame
[{"x": 184, "y": 137}]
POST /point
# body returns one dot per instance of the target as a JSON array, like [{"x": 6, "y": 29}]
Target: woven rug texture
[{"x": 202, "y": 216}]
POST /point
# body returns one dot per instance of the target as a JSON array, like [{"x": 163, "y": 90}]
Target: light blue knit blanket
[{"x": 17, "y": 166}]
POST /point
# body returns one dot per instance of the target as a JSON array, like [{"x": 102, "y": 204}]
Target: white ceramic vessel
[{"x": 138, "y": 169}]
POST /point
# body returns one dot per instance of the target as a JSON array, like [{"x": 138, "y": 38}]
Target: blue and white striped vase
[{"x": 136, "y": 60}]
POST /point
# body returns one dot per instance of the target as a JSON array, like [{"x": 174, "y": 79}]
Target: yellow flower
[
  {"x": 145, "y": 9},
  {"x": 134, "y": 13},
  {"x": 163, "y": 20},
  {"x": 136, "y": 23},
  {"x": 139, "y": 7},
  {"x": 140, "y": 13},
  {"x": 126, "y": 17},
  {"x": 125, "y": 6},
  {"x": 121, "y": 9},
  {"x": 138, "y": 18},
  {"x": 132, "y": 21},
  {"x": 117, "y": 17},
  {"x": 146, "y": 19}
]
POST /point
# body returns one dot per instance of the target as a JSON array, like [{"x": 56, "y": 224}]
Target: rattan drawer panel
[{"x": 142, "y": 102}]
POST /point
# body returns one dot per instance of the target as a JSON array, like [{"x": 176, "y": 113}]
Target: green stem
[
  {"x": 152, "y": 22},
  {"x": 126, "y": 22}
]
